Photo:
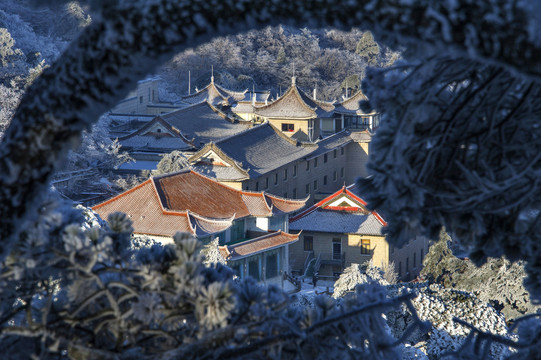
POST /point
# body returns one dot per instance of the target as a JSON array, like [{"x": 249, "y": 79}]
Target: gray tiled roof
[
  {"x": 338, "y": 222},
  {"x": 153, "y": 143},
  {"x": 203, "y": 123},
  {"x": 262, "y": 149},
  {"x": 331, "y": 142},
  {"x": 351, "y": 104},
  {"x": 290, "y": 105},
  {"x": 220, "y": 173}
]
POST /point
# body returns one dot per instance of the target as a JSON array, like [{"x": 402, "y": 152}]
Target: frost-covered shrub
[
  {"x": 441, "y": 306},
  {"x": 356, "y": 274},
  {"x": 498, "y": 282}
]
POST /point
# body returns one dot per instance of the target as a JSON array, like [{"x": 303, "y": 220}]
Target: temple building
[
  {"x": 252, "y": 227},
  {"x": 263, "y": 158},
  {"x": 339, "y": 231},
  {"x": 185, "y": 130}
]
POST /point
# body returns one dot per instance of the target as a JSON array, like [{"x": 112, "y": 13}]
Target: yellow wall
[
  {"x": 301, "y": 125},
  {"x": 378, "y": 246},
  {"x": 234, "y": 184}
]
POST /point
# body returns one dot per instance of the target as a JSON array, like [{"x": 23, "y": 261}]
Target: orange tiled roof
[
  {"x": 190, "y": 202},
  {"x": 257, "y": 245},
  {"x": 142, "y": 206}
]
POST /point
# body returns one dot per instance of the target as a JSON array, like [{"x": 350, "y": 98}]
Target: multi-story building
[
  {"x": 252, "y": 227},
  {"x": 339, "y": 231},
  {"x": 263, "y": 158}
]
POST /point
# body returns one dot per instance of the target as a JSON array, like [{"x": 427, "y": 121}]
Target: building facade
[
  {"x": 251, "y": 227},
  {"x": 339, "y": 231}
]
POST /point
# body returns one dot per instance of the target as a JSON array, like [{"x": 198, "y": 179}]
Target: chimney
[
  {"x": 293, "y": 78},
  {"x": 315, "y": 94}
]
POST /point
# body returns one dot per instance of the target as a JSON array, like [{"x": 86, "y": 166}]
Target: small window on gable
[
  {"x": 159, "y": 130},
  {"x": 288, "y": 127}
]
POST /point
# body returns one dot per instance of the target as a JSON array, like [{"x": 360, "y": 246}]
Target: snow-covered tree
[
  {"x": 172, "y": 162},
  {"x": 458, "y": 145}
]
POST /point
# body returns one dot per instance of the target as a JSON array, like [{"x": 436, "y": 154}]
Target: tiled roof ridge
[
  {"x": 230, "y": 249},
  {"x": 229, "y": 91},
  {"x": 343, "y": 190},
  {"x": 359, "y": 93},
  {"x": 286, "y": 199},
  {"x": 206, "y": 88},
  {"x": 292, "y": 89},
  {"x": 157, "y": 119},
  {"x": 260, "y": 194},
  {"x": 219, "y": 112},
  {"x": 373, "y": 212},
  {"x": 114, "y": 198},
  {"x": 330, "y": 137}
]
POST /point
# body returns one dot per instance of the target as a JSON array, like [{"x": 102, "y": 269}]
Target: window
[
  {"x": 342, "y": 150},
  {"x": 422, "y": 255},
  {"x": 400, "y": 269},
  {"x": 285, "y": 195},
  {"x": 334, "y": 177},
  {"x": 315, "y": 162},
  {"x": 414, "y": 260},
  {"x": 407, "y": 265},
  {"x": 307, "y": 165},
  {"x": 315, "y": 184},
  {"x": 276, "y": 179},
  {"x": 365, "y": 247},
  {"x": 294, "y": 170},
  {"x": 271, "y": 268},
  {"x": 288, "y": 127},
  {"x": 307, "y": 189},
  {"x": 140, "y": 99},
  {"x": 253, "y": 268},
  {"x": 325, "y": 180},
  {"x": 342, "y": 172},
  {"x": 257, "y": 186},
  {"x": 266, "y": 183},
  {"x": 336, "y": 249},
  {"x": 285, "y": 174},
  {"x": 295, "y": 194},
  {"x": 308, "y": 243},
  {"x": 148, "y": 94},
  {"x": 334, "y": 153},
  {"x": 325, "y": 158}
]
